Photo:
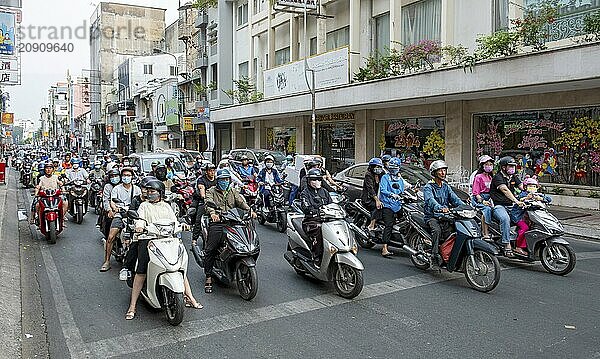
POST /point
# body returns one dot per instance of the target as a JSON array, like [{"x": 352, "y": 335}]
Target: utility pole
[{"x": 311, "y": 86}]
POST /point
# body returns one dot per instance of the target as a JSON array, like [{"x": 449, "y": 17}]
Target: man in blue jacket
[
  {"x": 268, "y": 176},
  {"x": 439, "y": 197},
  {"x": 391, "y": 188}
]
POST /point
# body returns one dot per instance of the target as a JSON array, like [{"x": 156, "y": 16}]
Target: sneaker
[{"x": 123, "y": 274}]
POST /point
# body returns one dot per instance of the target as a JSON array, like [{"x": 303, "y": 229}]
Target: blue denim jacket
[
  {"x": 437, "y": 197},
  {"x": 386, "y": 191}
]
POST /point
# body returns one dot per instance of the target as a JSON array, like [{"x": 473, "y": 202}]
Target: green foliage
[
  {"x": 376, "y": 67},
  {"x": 533, "y": 28},
  {"x": 500, "y": 43},
  {"x": 204, "y": 5},
  {"x": 459, "y": 56},
  {"x": 576, "y": 193},
  {"x": 203, "y": 89},
  {"x": 558, "y": 190},
  {"x": 591, "y": 26},
  {"x": 244, "y": 91},
  {"x": 593, "y": 194}
]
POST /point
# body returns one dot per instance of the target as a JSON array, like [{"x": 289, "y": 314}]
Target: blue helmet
[
  {"x": 223, "y": 173},
  {"x": 41, "y": 167},
  {"x": 375, "y": 161},
  {"x": 396, "y": 162},
  {"x": 386, "y": 158},
  {"x": 75, "y": 161}
]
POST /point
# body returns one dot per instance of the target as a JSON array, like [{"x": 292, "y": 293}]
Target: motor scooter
[
  {"x": 545, "y": 240},
  {"x": 277, "y": 213},
  {"x": 236, "y": 258},
  {"x": 250, "y": 192},
  {"x": 338, "y": 262},
  {"x": 78, "y": 199},
  {"x": 49, "y": 216},
  {"x": 463, "y": 250},
  {"x": 164, "y": 285}
]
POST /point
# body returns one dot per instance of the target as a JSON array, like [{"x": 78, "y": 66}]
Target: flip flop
[
  {"x": 387, "y": 255},
  {"x": 130, "y": 315},
  {"x": 520, "y": 252},
  {"x": 192, "y": 304},
  {"x": 508, "y": 253},
  {"x": 105, "y": 268}
]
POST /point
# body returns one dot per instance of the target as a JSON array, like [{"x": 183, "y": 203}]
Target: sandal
[
  {"x": 387, "y": 254},
  {"x": 130, "y": 315},
  {"x": 105, "y": 267},
  {"x": 520, "y": 252},
  {"x": 208, "y": 287},
  {"x": 508, "y": 253},
  {"x": 192, "y": 303}
]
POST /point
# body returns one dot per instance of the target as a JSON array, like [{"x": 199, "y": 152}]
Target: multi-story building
[
  {"x": 517, "y": 105},
  {"x": 118, "y": 31}
]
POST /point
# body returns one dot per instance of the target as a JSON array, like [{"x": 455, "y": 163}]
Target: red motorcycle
[
  {"x": 182, "y": 197},
  {"x": 250, "y": 192},
  {"x": 50, "y": 217}
]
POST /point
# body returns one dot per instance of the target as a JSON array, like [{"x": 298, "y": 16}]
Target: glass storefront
[
  {"x": 282, "y": 139},
  {"x": 558, "y": 146},
  {"x": 417, "y": 141},
  {"x": 336, "y": 144}
]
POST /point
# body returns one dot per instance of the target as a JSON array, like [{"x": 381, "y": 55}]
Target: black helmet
[
  {"x": 157, "y": 185},
  {"x": 161, "y": 172},
  {"x": 314, "y": 174},
  {"x": 169, "y": 161},
  {"x": 114, "y": 172},
  {"x": 210, "y": 166},
  {"x": 507, "y": 160},
  {"x": 146, "y": 180}
]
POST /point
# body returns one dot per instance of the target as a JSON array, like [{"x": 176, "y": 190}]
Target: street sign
[
  {"x": 161, "y": 129},
  {"x": 122, "y": 112},
  {"x": 310, "y": 4},
  {"x": 187, "y": 124}
]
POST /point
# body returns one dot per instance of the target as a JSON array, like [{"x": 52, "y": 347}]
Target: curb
[{"x": 586, "y": 233}]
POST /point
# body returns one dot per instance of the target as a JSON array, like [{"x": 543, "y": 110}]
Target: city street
[{"x": 402, "y": 311}]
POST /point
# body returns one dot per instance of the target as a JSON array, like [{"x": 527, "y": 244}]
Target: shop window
[
  {"x": 282, "y": 56},
  {"x": 558, "y": 146},
  {"x": 382, "y": 33},
  {"x": 416, "y": 141},
  {"x": 338, "y": 38},
  {"x": 281, "y": 139},
  {"x": 422, "y": 21},
  {"x": 336, "y": 144}
]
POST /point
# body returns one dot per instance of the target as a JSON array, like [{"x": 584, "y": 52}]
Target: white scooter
[{"x": 164, "y": 285}]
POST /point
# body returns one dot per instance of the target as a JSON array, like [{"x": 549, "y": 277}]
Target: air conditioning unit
[{"x": 247, "y": 124}]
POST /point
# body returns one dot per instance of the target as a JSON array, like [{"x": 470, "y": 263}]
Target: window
[
  {"x": 243, "y": 70},
  {"x": 313, "y": 46},
  {"x": 259, "y": 5},
  {"x": 214, "y": 80},
  {"x": 382, "y": 33},
  {"x": 570, "y": 21},
  {"x": 338, "y": 38},
  {"x": 357, "y": 172},
  {"x": 255, "y": 69},
  {"x": 242, "y": 14},
  {"x": 173, "y": 70},
  {"x": 500, "y": 14},
  {"x": 422, "y": 21},
  {"x": 147, "y": 69},
  {"x": 282, "y": 56}
]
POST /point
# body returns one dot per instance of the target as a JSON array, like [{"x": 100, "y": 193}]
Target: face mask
[
  {"x": 223, "y": 184},
  {"x": 394, "y": 172},
  {"x": 115, "y": 180},
  {"x": 75, "y": 166},
  {"x": 510, "y": 170},
  {"x": 153, "y": 197},
  {"x": 127, "y": 179},
  {"x": 488, "y": 169},
  {"x": 269, "y": 165},
  {"x": 316, "y": 184},
  {"x": 126, "y": 164},
  {"x": 532, "y": 189},
  {"x": 378, "y": 170}
]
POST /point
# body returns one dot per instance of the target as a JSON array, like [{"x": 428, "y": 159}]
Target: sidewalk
[
  {"x": 579, "y": 222},
  {"x": 10, "y": 272}
]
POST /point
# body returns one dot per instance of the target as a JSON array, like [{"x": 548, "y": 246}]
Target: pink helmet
[{"x": 531, "y": 181}]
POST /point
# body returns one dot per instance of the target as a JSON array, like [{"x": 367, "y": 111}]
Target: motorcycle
[
  {"x": 250, "y": 192},
  {"x": 182, "y": 199},
  {"x": 338, "y": 260},
  {"x": 468, "y": 253},
  {"x": 78, "y": 199},
  {"x": 118, "y": 250},
  {"x": 277, "y": 213},
  {"x": 164, "y": 285},
  {"x": 237, "y": 256},
  {"x": 49, "y": 215},
  {"x": 545, "y": 242},
  {"x": 26, "y": 176},
  {"x": 96, "y": 195}
]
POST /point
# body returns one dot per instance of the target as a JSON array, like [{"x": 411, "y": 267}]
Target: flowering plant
[
  {"x": 435, "y": 145},
  {"x": 533, "y": 29},
  {"x": 423, "y": 54}
]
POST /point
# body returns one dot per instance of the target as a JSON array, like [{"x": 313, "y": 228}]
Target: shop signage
[
  {"x": 187, "y": 124},
  {"x": 331, "y": 69},
  {"x": 172, "y": 112},
  {"x": 161, "y": 129},
  {"x": 164, "y": 137},
  {"x": 8, "y": 118},
  {"x": 133, "y": 127},
  {"x": 9, "y": 60},
  {"x": 333, "y": 117},
  {"x": 310, "y": 4},
  {"x": 203, "y": 115}
]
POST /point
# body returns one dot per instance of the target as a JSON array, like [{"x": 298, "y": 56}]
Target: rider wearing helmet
[
  {"x": 502, "y": 193},
  {"x": 76, "y": 172},
  {"x": 169, "y": 162},
  {"x": 151, "y": 210},
  {"x": 268, "y": 176},
  {"x": 97, "y": 171},
  {"x": 219, "y": 199},
  {"x": 162, "y": 173},
  {"x": 314, "y": 163},
  {"x": 49, "y": 180},
  {"x": 480, "y": 192},
  {"x": 67, "y": 163},
  {"x": 312, "y": 198},
  {"x": 203, "y": 184},
  {"x": 438, "y": 197},
  {"x": 370, "y": 198},
  {"x": 391, "y": 188},
  {"x": 247, "y": 170},
  {"x": 386, "y": 161}
]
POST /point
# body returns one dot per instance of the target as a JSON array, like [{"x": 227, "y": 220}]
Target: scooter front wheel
[
  {"x": 51, "y": 232},
  {"x": 348, "y": 281},
  {"x": 482, "y": 271},
  {"x": 174, "y": 306},
  {"x": 281, "y": 222},
  {"x": 558, "y": 259},
  {"x": 247, "y": 281}
]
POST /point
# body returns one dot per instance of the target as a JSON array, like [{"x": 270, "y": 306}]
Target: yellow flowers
[
  {"x": 435, "y": 144},
  {"x": 583, "y": 133}
]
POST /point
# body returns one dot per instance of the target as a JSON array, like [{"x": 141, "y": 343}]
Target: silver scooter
[
  {"x": 338, "y": 260},
  {"x": 164, "y": 286}
]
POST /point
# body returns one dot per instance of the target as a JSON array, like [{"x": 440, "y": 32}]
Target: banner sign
[
  {"x": 7, "y": 33},
  {"x": 10, "y": 73},
  {"x": 187, "y": 124},
  {"x": 8, "y": 118},
  {"x": 310, "y": 4},
  {"x": 172, "y": 112},
  {"x": 331, "y": 69}
]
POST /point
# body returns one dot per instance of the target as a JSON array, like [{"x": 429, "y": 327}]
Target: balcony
[
  {"x": 569, "y": 25},
  {"x": 201, "y": 20},
  {"x": 202, "y": 61}
]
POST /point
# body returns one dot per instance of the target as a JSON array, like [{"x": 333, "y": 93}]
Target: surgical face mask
[
  {"x": 126, "y": 164},
  {"x": 223, "y": 184},
  {"x": 378, "y": 170},
  {"x": 269, "y": 165},
  {"x": 511, "y": 170},
  {"x": 153, "y": 197},
  {"x": 394, "y": 171},
  {"x": 532, "y": 189},
  {"x": 115, "y": 180},
  {"x": 488, "y": 168},
  {"x": 316, "y": 184},
  {"x": 127, "y": 179}
]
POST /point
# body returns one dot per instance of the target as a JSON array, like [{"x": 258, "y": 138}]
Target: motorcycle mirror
[
  {"x": 132, "y": 214},
  {"x": 174, "y": 188}
]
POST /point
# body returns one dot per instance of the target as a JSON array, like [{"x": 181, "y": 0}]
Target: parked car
[
  {"x": 143, "y": 162},
  {"x": 353, "y": 178},
  {"x": 256, "y": 155}
]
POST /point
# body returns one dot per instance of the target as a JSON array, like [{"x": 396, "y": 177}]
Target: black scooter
[
  {"x": 277, "y": 213},
  {"x": 469, "y": 253},
  {"x": 236, "y": 259},
  {"x": 78, "y": 199}
]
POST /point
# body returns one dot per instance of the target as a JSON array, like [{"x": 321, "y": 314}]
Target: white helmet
[
  {"x": 437, "y": 165},
  {"x": 485, "y": 158}
]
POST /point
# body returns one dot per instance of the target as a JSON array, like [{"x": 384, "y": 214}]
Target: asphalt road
[{"x": 402, "y": 312}]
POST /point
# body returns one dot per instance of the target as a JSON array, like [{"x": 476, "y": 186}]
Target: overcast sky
[{"x": 41, "y": 70}]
